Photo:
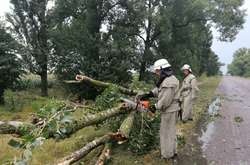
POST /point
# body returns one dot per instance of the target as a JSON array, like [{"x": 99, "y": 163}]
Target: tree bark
[
  {"x": 44, "y": 83},
  {"x": 127, "y": 125},
  {"x": 1, "y": 96},
  {"x": 148, "y": 41},
  {"x": 91, "y": 119},
  {"x": 43, "y": 38},
  {"x": 142, "y": 69},
  {"x": 102, "y": 85},
  {"x": 105, "y": 155},
  {"x": 77, "y": 155},
  {"x": 99, "y": 117},
  {"x": 121, "y": 135},
  {"x": 13, "y": 127}
]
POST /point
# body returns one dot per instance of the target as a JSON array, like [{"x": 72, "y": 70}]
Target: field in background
[{"x": 52, "y": 150}]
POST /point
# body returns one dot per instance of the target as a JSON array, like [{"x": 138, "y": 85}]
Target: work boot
[{"x": 171, "y": 158}]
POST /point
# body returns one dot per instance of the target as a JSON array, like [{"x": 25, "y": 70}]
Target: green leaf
[{"x": 14, "y": 143}]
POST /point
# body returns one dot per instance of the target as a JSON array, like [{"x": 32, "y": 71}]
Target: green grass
[{"x": 52, "y": 150}]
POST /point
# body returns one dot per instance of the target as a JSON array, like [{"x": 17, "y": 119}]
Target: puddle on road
[
  {"x": 206, "y": 136},
  {"x": 207, "y": 132},
  {"x": 214, "y": 107}
]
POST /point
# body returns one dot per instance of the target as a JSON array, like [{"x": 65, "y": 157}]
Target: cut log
[
  {"x": 13, "y": 127},
  {"x": 77, "y": 155},
  {"x": 127, "y": 125},
  {"x": 121, "y": 135},
  {"x": 101, "y": 85},
  {"x": 105, "y": 155}
]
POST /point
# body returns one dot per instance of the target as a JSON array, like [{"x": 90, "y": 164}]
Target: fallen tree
[
  {"x": 127, "y": 124},
  {"x": 97, "y": 118},
  {"x": 105, "y": 154},
  {"x": 77, "y": 155},
  {"x": 120, "y": 136},
  {"x": 54, "y": 122},
  {"x": 14, "y": 127},
  {"x": 101, "y": 84}
]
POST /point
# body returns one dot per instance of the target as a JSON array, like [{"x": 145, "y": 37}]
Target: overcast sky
[{"x": 225, "y": 50}]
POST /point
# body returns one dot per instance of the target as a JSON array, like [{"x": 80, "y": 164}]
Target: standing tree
[
  {"x": 241, "y": 63},
  {"x": 212, "y": 65},
  {"x": 107, "y": 38},
  {"x": 29, "y": 20},
  {"x": 89, "y": 36},
  {"x": 10, "y": 66}
]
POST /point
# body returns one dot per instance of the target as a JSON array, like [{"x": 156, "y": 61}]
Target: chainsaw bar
[{"x": 137, "y": 106}]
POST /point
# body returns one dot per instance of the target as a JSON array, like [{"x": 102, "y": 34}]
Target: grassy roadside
[
  {"x": 207, "y": 92},
  {"x": 52, "y": 150},
  {"x": 190, "y": 152},
  {"x": 207, "y": 87}
]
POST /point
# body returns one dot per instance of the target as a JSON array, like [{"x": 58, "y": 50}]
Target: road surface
[{"x": 230, "y": 141}]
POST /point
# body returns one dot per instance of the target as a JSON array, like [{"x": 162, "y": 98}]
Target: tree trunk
[
  {"x": 93, "y": 119},
  {"x": 44, "y": 82},
  {"x": 105, "y": 155},
  {"x": 142, "y": 70},
  {"x": 127, "y": 125},
  {"x": 103, "y": 85},
  {"x": 13, "y": 127},
  {"x": 88, "y": 120},
  {"x": 1, "y": 96},
  {"x": 77, "y": 155},
  {"x": 145, "y": 58},
  {"x": 147, "y": 41},
  {"x": 43, "y": 41},
  {"x": 121, "y": 135}
]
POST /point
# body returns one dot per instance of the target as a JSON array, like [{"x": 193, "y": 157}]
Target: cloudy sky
[{"x": 225, "y": 50}]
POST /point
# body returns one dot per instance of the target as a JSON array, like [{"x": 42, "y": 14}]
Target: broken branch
[{"x": 101, "y": 84}]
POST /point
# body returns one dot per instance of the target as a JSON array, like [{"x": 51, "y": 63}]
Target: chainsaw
[{"x": 141, "y": 106}]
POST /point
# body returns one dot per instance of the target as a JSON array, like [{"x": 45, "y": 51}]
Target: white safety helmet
[
  {"x": 186, "y": 67},
  {"x": 161, "y": 64}
]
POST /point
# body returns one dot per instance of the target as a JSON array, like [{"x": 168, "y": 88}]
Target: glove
[
  {"x": 144, "y": 96},
  {"x": 152, "y": 108}
]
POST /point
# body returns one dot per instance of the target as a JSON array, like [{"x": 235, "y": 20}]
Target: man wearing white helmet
[
  {"x": 188, "y": 92},
  {"x": 167, "y": 92}
]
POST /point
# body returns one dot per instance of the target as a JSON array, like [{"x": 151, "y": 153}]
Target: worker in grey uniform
[
  {"x": 168, "y": 96},
  {"x": 188, "y": 93}
]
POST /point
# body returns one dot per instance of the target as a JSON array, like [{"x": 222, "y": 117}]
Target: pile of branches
[{"x": 55, "y": 121}]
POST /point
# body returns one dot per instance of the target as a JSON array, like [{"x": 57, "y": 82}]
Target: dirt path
[{"x": 230, "y": 141}]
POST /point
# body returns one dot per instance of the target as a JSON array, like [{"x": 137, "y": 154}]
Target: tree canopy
[
  {"x": 10, "y": 64},
  {"x": 110, "y": 39},
  {"x": 29, "y": 20},
  {"x": 241, "y": 63}
]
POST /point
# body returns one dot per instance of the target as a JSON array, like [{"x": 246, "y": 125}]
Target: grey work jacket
[
  {"x": 189, "y": 87},
  {"x": 168, "y": 95}
]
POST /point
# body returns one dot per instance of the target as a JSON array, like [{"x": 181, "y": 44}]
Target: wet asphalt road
[{"x": 229, "y": 143}]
